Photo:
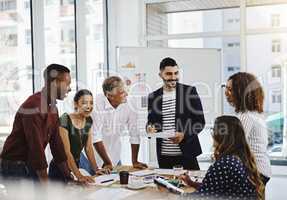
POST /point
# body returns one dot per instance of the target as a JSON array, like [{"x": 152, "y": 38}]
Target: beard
[
  {"x": 169, "y": 83},
  {"x": 60, "y": 94}
]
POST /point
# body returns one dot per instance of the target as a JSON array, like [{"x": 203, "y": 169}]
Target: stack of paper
[
  {"x": 166, "y": 134},
  {"x": 169, "y": 172},
  {"x": 141, "y": 173},
  {"x": 105, "y": 180}
]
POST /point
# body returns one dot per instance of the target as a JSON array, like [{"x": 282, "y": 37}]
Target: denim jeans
[
  {"x": 16, "y": 170},
  {"x": 55, "y": 174},
  {"x": 86, "y": 165}
]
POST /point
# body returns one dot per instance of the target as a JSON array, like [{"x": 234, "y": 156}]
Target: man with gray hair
[{"x": 112, "y": 115}]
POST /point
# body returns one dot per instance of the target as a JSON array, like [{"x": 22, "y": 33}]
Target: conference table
[{"x": 116, "y": 191}]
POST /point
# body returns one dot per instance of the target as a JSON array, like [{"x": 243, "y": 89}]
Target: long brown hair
[
  {"x": 230, "y": 139},
  {"x": 247, "y": 93}
]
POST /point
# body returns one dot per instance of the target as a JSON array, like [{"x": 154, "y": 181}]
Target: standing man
[
  {"x": 36, "y": 124},
  {"x": 111, "y": 116},
  {"x": 175, "y": 108}
]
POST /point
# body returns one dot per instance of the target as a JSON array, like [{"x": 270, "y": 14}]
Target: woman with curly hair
[{"x": 245, "y": 94}]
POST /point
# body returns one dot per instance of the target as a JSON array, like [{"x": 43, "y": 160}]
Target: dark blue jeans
[
  {"x": 55, "y": 174},
  {"x": 16, "y": 170},
  {"x": 86, "y": 165}
]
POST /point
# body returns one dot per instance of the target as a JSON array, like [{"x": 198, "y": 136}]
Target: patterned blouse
[{"x": 227, "y": 178}]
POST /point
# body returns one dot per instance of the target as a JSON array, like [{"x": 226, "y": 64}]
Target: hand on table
[
  {"x": 85, "y": 180},
  {"x": 139, "y": 165},
  {"x": 108, "y": 167},
  {"x": 103, "y": 171}
]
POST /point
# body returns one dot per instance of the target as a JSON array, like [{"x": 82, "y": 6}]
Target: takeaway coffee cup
[{"x": 124, "y": 177}]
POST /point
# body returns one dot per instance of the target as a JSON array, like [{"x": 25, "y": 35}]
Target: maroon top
[{"x": 35, "y": 125}]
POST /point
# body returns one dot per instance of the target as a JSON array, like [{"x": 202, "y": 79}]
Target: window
[
  {"x": 276, "y": 97},
  {"x": 16, "y": 59},
  {"x": 95, "y": 57},
  {"x": 275, "y": 20},
  {"x": 233, "y": 20},
  {"x": 276, "y": 71},
  {"x": 233, "y": 44},
  {"x": 28, "y": 36},
  {"x": 27, "y": 4},
  {"x": 276, "y": 46},
  {"x": 7, "y": 5},
  {"x": 59, "y": 23},
  {"x": 263, "y": 50},
  {"x": 8, "y": 37},
  {"x": 65, "y": 2}
]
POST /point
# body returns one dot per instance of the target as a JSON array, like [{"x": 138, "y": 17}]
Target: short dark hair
[
  {"x": 110, "y": 83},
  {"x": 81, "y": 93},
  {"x": 53, "y": 71},
  {"x": 167, "y": 62}
]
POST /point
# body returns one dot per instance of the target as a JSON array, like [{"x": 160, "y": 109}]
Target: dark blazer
[{"x": 189, "y": 118}]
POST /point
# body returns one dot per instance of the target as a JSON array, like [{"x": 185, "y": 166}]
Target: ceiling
[{"x": 170, "y": 6}]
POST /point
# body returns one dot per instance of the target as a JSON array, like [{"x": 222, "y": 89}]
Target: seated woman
[
  {"x": 76, "y": 134},
  {"x": 234, "y": 174},
  {"x": 245, "y": 94}
]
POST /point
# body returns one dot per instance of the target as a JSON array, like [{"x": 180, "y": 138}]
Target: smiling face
[
  {"x": 63, "y": 85},
  {"x": 118, "y": 95},
  {"x": 84, "y": 106},
  {"x": 228, "y": 92},
  {"x": 170, "y": 76}
]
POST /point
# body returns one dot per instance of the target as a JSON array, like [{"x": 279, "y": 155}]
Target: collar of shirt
[{"x": 107, "y": 104}]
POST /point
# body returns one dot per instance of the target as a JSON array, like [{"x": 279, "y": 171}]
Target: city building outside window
[
  {"x": 276, "y": 71},
  {"x": 276, "y": 46},
  {"x": 275, "y": 20}
]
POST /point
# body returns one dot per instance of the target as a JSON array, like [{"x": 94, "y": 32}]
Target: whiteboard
[{"x": 198, "y": 67}]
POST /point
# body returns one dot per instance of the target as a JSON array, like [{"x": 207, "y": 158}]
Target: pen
[{"x": 107, "y": 181}]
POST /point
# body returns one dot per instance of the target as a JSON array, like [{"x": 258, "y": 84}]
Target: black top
[
  {"x": 77, "y": 137},
  {"x": 227, "y": 178}
]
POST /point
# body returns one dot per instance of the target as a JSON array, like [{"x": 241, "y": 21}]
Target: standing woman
[
  {"x": 76, "y": 134},
  {"x": 245, "y": 94}
]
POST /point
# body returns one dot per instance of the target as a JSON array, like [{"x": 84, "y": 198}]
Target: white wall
[{"x": 125, "y": 25}]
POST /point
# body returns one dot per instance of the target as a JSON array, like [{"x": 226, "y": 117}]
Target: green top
[{"x": 77, "y": 137}]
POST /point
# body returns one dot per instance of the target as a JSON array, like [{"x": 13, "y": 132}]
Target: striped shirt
[
  {"x": 256, "y": 134},
  {"x": 168, "y": 148}
]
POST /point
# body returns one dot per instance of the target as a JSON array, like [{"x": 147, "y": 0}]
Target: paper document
[
  {"x": 170, "y": 172},
  {"x": 145, "y": 172},
  {"x": 197, "y": 173},
  {"x": 105, "y": 180},
  {"x": 161, "y": 135}
]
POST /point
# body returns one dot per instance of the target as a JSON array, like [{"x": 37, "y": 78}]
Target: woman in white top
[{"x": 245, "y": 94}]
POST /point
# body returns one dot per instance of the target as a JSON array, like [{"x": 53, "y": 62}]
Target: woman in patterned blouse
[{"x": 234, "y": 174}]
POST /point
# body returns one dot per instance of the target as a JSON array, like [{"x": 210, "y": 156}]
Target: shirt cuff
[{"x": 135, "y": 140}]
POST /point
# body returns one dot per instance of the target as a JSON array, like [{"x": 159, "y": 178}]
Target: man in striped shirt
[{"x": 175, "y": 108}]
